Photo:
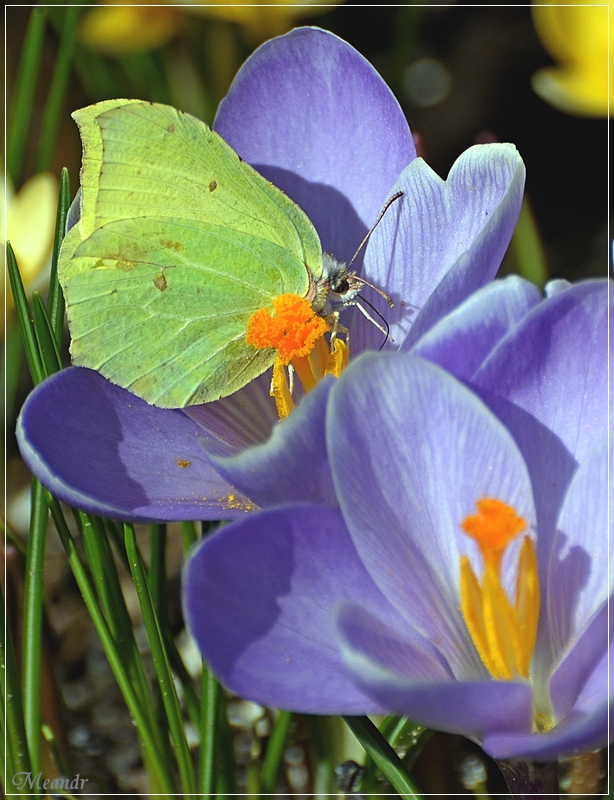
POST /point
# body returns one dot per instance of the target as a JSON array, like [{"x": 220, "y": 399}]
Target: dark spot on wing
[
  {"x": 169, "y": 244},
  {"x": 160, "y": 282}
]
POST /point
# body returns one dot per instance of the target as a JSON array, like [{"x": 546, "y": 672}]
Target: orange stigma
[
  {"x": 503, "y": 633},
  {"x": 494, "y": 527},
  {"x": 294, "y": 329}
]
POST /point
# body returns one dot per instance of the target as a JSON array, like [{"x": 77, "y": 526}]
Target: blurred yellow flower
[
  {"x": 576, "y": 35},
  {"x": 30, "y": 225},
  {"x": 116, "y": 29}
]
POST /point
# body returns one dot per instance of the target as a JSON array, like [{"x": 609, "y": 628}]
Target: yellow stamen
[
  {"x": 338, "y": 359},
  {"x": 504, "y": 634},
  {"x": 318, "y": 358},
  {"x": 297, "y": 333},
  {"x": 280, "y": 390}
]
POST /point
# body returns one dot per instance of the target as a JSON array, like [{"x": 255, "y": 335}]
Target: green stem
[
  {"x": 323, "y": 754},
  {"x": 161, "y": 665},
  {"x": 47, "y": 345},
  {"x": 106, "y": 580},
  {"x": 410, "y": 758},
  {"x": 188, "y": 536},
  {"x": 274, "y": 752},
  {"x": 115, "y": 531},
  {"x": 55, "y": 298},
  {"x": 33, "y": 623},
  {"x": 226, "y": 768},
  {"x": 384, "y": 756},
  {"x": 208, "y": 716},
  {"x": 25, "y": 86},
  {"x": 191, "y": 700},
  {"x": 56, "y": 752},
  {"x": 17, "y": 756},
  {"x": 527, "y": 249},
  {"x": 157, "y": 569},
  {"x": 157, "y": 585},
  {"x": 154, "y": 756},
  {"x": 55, "y": 98},
  {"x": 252, "y": 780},
  {"x": 22, "y": 309}
]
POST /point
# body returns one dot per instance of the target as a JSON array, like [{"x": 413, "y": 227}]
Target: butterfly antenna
[
  {"x": 385, "y": 208},
  {"x": 381, "y": 292}
]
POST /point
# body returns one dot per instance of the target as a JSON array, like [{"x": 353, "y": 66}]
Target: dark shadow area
[
  {"x": 112, "y": 452},
  {"x": 252, "y": 580},
  {"x": 333, "y": 216},
  {"x": 573, "y": 569}
]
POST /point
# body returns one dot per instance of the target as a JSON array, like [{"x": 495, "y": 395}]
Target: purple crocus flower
[
  {"x": 314, "y": 117},
  {"x": 371, "y": 607}
]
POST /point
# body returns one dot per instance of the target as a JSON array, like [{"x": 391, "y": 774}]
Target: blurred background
[{"x": 463, "y": 73}]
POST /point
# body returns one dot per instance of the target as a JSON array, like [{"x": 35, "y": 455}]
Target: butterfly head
[{"x": 337, "y": 287}]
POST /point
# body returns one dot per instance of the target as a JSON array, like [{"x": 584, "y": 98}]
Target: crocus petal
[
  {"x": 240, "y": 420},
  {"x": 580, "y": 578},
  {"x": 470, "y": 709},
  {"x": 313, "y": 116},
  {"x": 292, "y": 466},
  {"x": 362, "y": 633},
  {"x": 259, "y": 597},
  {"x": 578, "y": 662},
  {"x": 553, "y": 398},
  {"x": 404, "y": 490},
  {"x": 584, "y": 729},
  {"x": 579, "y": 733},
  {"x": 102, "y": 449},
  {"x": 556, "y": 286},
  {"x": 449, "y": 237},
  {"x": 461, "y": 341},
  {"x": 581, "y": 570}
]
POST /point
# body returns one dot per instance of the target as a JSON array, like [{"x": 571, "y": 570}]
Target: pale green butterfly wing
[
  {"x": 179, "y": 241},
  {"x": 148, "y": 292}
]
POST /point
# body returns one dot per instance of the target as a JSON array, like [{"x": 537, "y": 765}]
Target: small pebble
[
  {"x": 298, "y": 777},
  {"x": 243, "y": 713},
  {"x": 348, "y": 776}
]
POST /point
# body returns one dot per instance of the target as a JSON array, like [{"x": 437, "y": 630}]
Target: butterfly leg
[
  {"x": 369, "y": 318},
  {"x": 337, "y": 328}
]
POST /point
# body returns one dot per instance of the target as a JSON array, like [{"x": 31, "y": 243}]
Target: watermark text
[{"x": 26, "y": 780}]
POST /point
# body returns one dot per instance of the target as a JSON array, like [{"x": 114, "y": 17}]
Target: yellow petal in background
[
  {"x": 30, "y": 223},
  {"x": 114, "y": 29},
  {"x": 577, "y": 37},
  {"x": 117, "y": 30},
  {"x": 258, "y": 22}
]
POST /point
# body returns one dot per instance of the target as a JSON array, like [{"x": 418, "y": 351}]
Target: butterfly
[{"x": 178, "y": 242}]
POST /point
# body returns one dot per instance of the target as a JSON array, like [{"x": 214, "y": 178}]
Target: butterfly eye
[{"x": 341, "y": 287}]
